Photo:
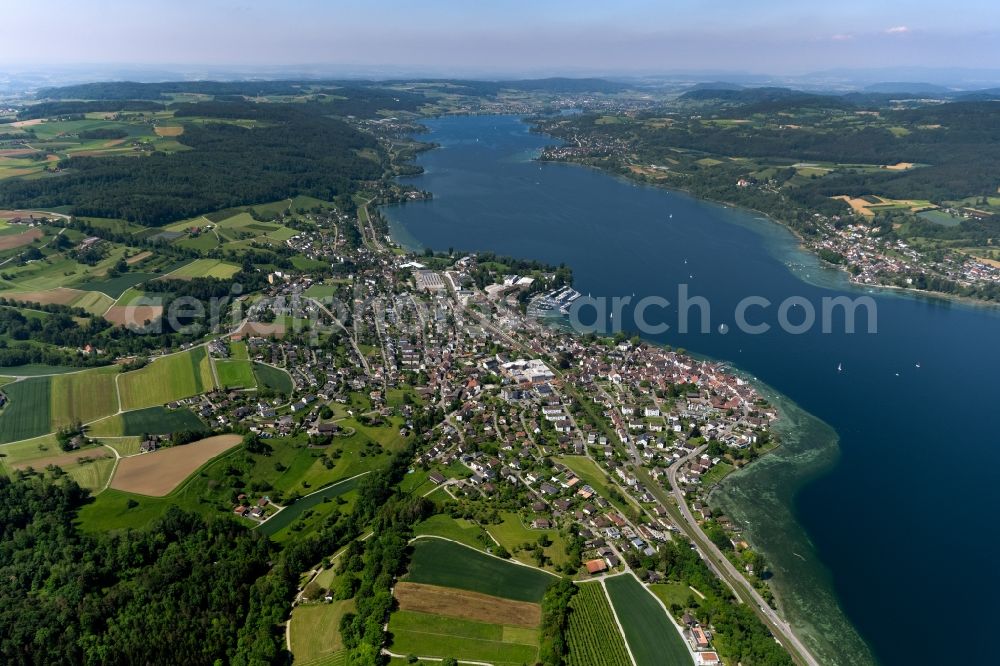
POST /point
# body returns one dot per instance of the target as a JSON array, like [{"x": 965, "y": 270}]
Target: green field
[
  {"x": 425, "y": 634},
  {"x": 83, "y": 396},
  {"x": 593, "y": 636},
  {"x": 167, "y": 379},
  {"x": 238, "y": 351},
  {"x": 215, "y": 268},
  {"x": 440, "y": 562},
  {"x": 651, "y": 635},
  {"x": 235, "y": 374},
  {"x": 27, "y": 412},
  {"x": 315, "y": 630},
  {"x": 151, "y": 421},
  {"x": 273, "y": 378},
  {"x": 115, "y": 287}
]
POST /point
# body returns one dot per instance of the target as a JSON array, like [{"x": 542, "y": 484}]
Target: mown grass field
[
  {"x": 651, "y": 635},
  {"x": 83, "y": 396},
  {"x": 440, "y": 562},
  {"x": 235, "y": 374},
  {"x": 315, "y": 630},
  {"x": 593, "y": 636},
  {"x": 167, "y": 379},
  {"x": 238, "y": 351},
  {"x": 429, "y": 635},
  {"x": 26, "y": 414}
]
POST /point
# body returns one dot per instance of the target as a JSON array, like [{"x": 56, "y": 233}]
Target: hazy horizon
[{"x": 630, "y": 37}]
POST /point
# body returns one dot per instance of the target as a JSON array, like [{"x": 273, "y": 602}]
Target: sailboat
[{"x": 840, "y": 367}]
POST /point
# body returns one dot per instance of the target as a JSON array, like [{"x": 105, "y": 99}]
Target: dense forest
[
  {"x": 298, "y": 151},
  {"x": 177, "y": 593}
]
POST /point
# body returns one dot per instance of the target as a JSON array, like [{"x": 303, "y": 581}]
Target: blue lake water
[{"x": 891, "y": 531}]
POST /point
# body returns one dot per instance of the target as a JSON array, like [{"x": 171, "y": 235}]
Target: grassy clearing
[
  {"x": 92, "y": 475},
  {"x": 457, "y": 529},
  {"x": 27, "y": 412},
  {"x": 235, "y": 374},
  {"x": 593, "y": 636},
  {"x": 167, "y": 379},
  {"x": 651, "y": 635},
  {"x": 673, "y": 593},
  {"x": 439, "y": 562},
  {"x": 426, "y": 634},
  {"x": 315, "y": 630}
]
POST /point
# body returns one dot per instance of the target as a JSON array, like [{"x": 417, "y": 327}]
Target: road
[{"x": 725, "y": 570}]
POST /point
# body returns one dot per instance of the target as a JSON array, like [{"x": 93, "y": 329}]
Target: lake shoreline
[{"x": 737, "y": 493}]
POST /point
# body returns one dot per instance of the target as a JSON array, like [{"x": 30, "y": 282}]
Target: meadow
[
  {"x": 439, "y": 562},
  {"x": 314, "y": 630},
  {"x": 593, "y": 636},
  {"x": 651, "y": 635},
  {"x": 426, "y": 634},
  {"x": 167, "y": 379}
]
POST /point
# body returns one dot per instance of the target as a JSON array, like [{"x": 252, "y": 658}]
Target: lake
[{"x": 874, "y": 515}]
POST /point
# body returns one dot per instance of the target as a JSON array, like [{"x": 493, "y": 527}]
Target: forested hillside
[{"x": 298, "y": 151}]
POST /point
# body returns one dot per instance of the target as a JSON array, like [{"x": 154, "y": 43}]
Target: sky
[{"x": 500, "y": 36}]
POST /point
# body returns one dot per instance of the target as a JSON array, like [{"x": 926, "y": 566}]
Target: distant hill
[
  {"x": 986, "y": 95},
  {"x": 894, "y": 87},
  {"x": 715, "y": 85},
  {"x": 131, "y": 90},
  {"x": 740, "y": 95},
  {"x": 566, "y": 85}
]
